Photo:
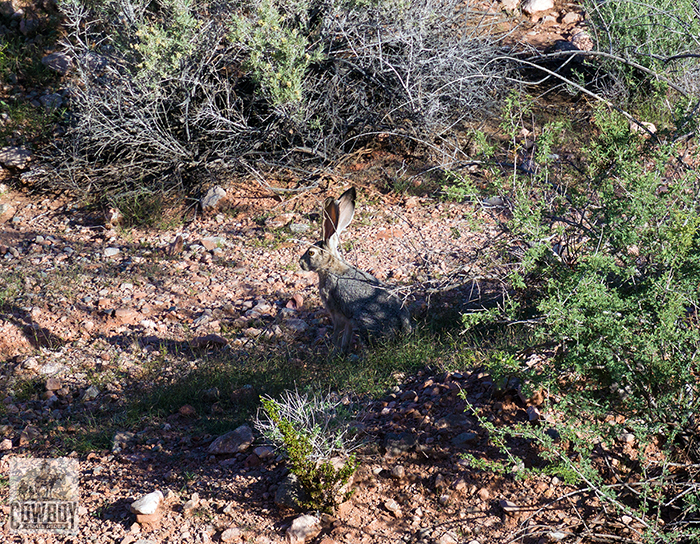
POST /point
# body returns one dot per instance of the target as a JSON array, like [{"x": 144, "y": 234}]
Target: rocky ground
[
  {"x": 88, "y": 304},
  {"x": 95, "y": 305}
]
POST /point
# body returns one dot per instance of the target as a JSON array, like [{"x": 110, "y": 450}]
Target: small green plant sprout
[{"x": 312, "y": 432}]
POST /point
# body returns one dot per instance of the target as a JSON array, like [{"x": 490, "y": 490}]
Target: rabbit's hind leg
[{"x": 347, "y": 336}]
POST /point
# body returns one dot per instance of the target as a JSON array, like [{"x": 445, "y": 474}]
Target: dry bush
[{"x": 154, "y": 108}]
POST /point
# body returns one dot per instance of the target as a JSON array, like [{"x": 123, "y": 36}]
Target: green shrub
[
  {"x": 162, "y": 44},
  {"x": 277, "y": 48},
  {"x": 608, "y": 273},
  {"x": 312, "y": 434},
  {"x": 612, "y": 266},
  {"x": 649, "y": 33}
]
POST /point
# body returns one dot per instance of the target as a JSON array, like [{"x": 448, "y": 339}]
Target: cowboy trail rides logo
[{"x": 44, "y": 495}]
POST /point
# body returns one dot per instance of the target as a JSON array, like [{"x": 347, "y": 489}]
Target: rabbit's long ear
[
  {"x": 343, "y": 210},
  {"x": 346, "y": 209},
  {"x": 329, "y": 218}
]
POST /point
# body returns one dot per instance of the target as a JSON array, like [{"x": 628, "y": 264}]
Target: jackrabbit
[{"x": 354, "y": 298}]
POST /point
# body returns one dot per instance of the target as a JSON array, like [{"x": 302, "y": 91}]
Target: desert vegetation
[{"x": 597, "y": 261}]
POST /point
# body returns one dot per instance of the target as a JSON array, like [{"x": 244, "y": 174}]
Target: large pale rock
[
  {"x": 232, "y": 535},
  {"x": 15, "y": 157},
  {"x": 303, "y": 529},
  {"x": 148, "y": 504},
  {"x": 535, "y": 6},
  {"x": 233, "y": 442}
]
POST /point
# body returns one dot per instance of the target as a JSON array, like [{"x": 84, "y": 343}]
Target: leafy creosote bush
[
  {"x": 612, "y": 264},
  {"x": 276, "y": 49},
  {"x": 311, "y": 432},
  {"x": 162, "y": 47},
  {"x": 609, "y": 273}
]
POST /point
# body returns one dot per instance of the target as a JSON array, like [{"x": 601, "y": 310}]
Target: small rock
[
  {"x": 571, "y": 18},
  {"x": 279, "y": 221},
  {"x": 91, "y": 393},
  {"x": 252, "y": 332},
  {"x": 51, "y": 101},
  {"x": 290, "y": 493},
  {"x": 148, "y": 519},
  {"x": 546, "y": 21},
  {"x": 533, "y": 414},
  {"x": 232, "y": 535},
  {"x": 51, "y": 368},
  {"x": 448, "y": 538},
  {"x": 510, "y": 6},
  {"x": 6, "y": 211},
  {"x": 303, "y": 528},
  {"x": 111, "y": 251},
  {"x": 6, "y": 444},
  {"x": 582, "y": 40},
  {"x": 264, "y": 452},
  {"x": 212, "y": 242},
  {"x": 296, "y": 325},
  {"x": 190, "y": 506},
  {"x": 58, "y": 62},
  {"x": 398, "y": 472},
  {"x": 208, "y": 341},
  {"x": 212, "y": 394},
  {"x": 232, "y": 442},
  {"x": 553, "y": 434},
  {"x": 15, "y": 157},
  {"x": 126, "y": 316},
  {"x": 396, "y": 444},
  {"x": 627, "y": 438},
  {"x": 493, "y": 202},
  {"x": 464, "y": 440},
  {"x": 187, "y": 410},
  {"x": 121, "y": 440},
  {"x": 299, "y": 228},
  {"x": 7, "y": 10},
  {"x": 96, "y": 63},
  {"x": 252, "y": 461},
  {"x": 509, "y": 506},
  {"x": 53, "y": 384},
  {"x": 295, "y": 303},
  {"x": 212, "y": 200},
  {"x": 484, "y": 494},
  {"x": 392, "y": 506},
  {"x": 148, "y": 504},
  {"x": 645, "y": 129}
]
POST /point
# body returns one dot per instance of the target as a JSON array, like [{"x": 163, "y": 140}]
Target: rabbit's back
[{"x": 367, "y": 302}]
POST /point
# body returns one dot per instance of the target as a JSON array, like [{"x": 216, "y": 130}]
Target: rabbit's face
[{"x": 317, "y": 257}]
